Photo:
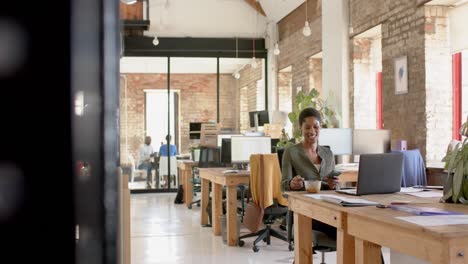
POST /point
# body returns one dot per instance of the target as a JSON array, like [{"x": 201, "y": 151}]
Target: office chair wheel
[
  {"x": 240, "y": 243},
  {"x": 255, "y": 249},
  {"x": 198, "y": 204},
  {"x": 189, "y": 206},
  {"x": 291, "y": 247}
]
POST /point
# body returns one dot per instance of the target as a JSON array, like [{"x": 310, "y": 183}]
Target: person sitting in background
[
  {"x": 145, "y": 153},
  {"x": 167, "y": 150}
]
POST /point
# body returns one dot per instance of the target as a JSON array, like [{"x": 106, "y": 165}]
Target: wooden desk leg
[
  {"x": 204, "y": 200},
  {"x": 367, "y": 252},
  {"x": 217, "y": 202},
  {"x": 231, "y": 215},
  {"x": 302, "y": 239},
  {"x": 188, "y": 187},
  {"x": 345, "y": 247}
]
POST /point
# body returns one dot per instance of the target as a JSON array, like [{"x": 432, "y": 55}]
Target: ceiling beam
[{"x": 257, "y": 6}]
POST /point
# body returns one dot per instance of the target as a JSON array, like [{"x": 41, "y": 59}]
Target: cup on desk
[{"x": 313, "y": 186}]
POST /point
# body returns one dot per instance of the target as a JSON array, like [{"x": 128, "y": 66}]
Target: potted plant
[
  {"x": 456, "y": 164},
  {"x": 194, "y": 152},
  {"x": 330, "y": 118}
]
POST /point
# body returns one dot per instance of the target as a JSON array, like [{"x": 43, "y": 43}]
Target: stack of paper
[
  {"x": 343, "y": 201},
  {"x": 439, "y": 220},
  {"x": 421, "y": 210}
]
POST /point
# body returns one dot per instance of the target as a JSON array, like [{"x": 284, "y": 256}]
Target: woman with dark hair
[{"x": 310, "y": 161}]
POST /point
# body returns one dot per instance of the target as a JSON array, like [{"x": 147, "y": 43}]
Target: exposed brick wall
[
  {"x": 284, "y": 91},
  {"x": 315, "y": 74},
  {"x": 252, "y": 97},
  {"x": 438, "y": 82},
  {"x": 285, "y": 96},
  {"x": 296, "y": 49},
  {"x": 403, "y": 34},
  {"x": 197, "y": 103},
  {"x": 244, "y": 109},
  {"x": 295, "y": 20},
  {"x": 229, "y": 106}
]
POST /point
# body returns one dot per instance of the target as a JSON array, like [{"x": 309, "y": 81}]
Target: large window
[{"x": 367, "y": 68}]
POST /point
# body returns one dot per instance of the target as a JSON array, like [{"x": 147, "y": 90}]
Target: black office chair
[
  {"x": 209, "y": 158},
  {"x": 273, "y": 211}
]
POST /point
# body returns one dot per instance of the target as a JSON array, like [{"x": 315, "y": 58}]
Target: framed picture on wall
[{"x": 401, "y": 75}]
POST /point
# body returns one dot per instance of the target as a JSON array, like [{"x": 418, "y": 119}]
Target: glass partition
[
  {"x": 165, "y": 102},
  {"x": 144, "y": 119}
]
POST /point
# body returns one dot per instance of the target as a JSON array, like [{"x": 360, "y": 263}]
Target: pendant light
[
  {"x": 306, "y": 30},
  {"x": 254, "y": 61},
  {"x": 155, "y": 40},
  {"x": 276, "y": 50},
  {"x": 129, "y": 2}
]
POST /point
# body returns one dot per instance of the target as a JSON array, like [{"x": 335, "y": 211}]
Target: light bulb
[
  {"x": 155, "y": 41},
  {"x": 306, "y": 31},
  {"x": 276, "y": 51},
  {"x": 254, "y": 63},
  {"x": 237, "y": 75}
]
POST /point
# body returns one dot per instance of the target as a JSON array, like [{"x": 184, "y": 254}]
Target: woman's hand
[
  {"x": 331, "y": 181},
  {"x": 297, "y": 183}
]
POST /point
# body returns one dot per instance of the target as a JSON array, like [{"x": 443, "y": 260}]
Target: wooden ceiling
[{"x": 257, "y": 6}]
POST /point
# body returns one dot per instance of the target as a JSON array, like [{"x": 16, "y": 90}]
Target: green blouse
[{"x": 296, "y": 157}]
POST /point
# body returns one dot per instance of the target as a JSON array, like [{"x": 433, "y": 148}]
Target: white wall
[
  {"x": 205, "y": 18},
  {"x": 335, "y": 48},
  {"x": 458, "y": 20}
]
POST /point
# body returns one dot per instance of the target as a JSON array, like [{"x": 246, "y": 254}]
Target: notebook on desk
[{"x": 378, "y": 174}]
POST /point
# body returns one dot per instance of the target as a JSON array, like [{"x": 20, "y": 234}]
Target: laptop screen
[{"x": 379, "y": 173}]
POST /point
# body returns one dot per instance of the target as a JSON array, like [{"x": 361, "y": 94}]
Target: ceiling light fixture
[
  {"x": 129, "y": 2},
  {"x": 306, "y": 30},
  {"x": 155, "y": 40},
  {"x": 276, "y": 51},
  {"x": 254, "y": 61}
]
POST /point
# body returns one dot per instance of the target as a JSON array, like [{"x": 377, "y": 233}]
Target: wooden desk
[
  {"x": 305, "y": 209},
  {"x": 185, "y": 177},
  {"x": 373, "y": 228},
  {"x": 353, "y": 221},
  {"x": 219, "y": 179}
]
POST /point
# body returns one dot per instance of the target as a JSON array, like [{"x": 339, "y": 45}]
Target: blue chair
[{"x": 414, "y": 170}]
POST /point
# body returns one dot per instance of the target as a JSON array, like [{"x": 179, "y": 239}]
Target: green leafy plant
[
  {"x": 330, "y": 118},
  {"x": 456, "y": 163},
  {"x": 284, "y": 141}
]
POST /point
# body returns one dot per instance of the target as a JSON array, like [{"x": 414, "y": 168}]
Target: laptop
[{"x": 378, "y": 174}]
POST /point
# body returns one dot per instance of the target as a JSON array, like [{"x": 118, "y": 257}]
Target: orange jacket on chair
[{"x": 272, "y": 180}]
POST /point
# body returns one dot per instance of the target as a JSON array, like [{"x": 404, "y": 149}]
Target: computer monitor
[
  {"x": 226, "y": 151},
  {"x": 253, "y": 119},
  {"x": 371, "y": 141},
  {"x": 340, "y": 140},
  {"x": 242, "y": 147},
  {"x": 263, "y": 118},
  {"x": 274, "y": 142},
  {"x": 221, "y": 136}
]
